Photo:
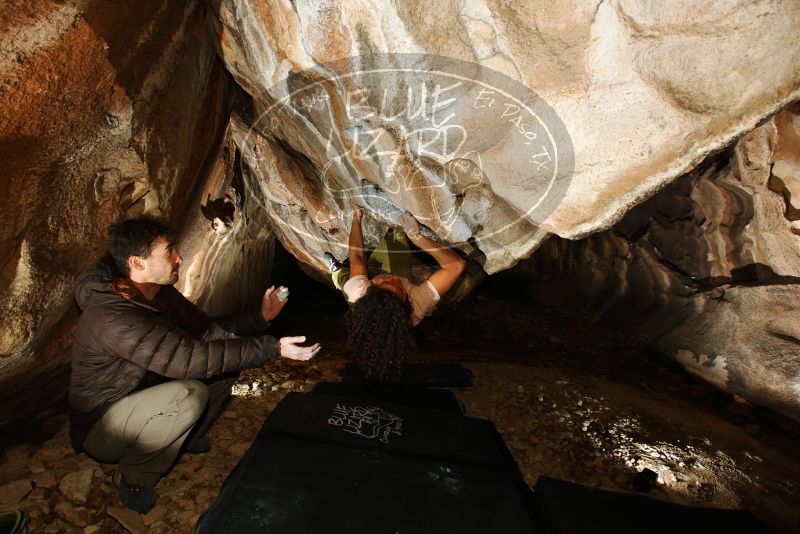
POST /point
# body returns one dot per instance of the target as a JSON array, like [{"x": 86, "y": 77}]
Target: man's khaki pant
[{"x": 144, "y": 431}]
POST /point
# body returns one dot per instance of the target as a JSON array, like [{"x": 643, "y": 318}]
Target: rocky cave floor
[{"x": 572, "y": 400}]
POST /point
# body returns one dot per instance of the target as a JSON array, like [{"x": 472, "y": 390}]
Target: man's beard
[{"x": 170, "y": 279}]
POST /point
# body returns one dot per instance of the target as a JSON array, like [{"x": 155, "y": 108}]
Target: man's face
[
  {"x": 392, "y": 284},
  {"x": 163, "y": 263}
]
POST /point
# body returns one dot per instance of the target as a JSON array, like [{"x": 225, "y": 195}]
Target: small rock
[
  {"x": 52, "y": 451},
  {"x": 76, "y": 486},
  {"x": 112, "y": 121},
  {"x": 45, "y": 480},
  {"x": 37, "y": 509},
  {"x": 78, "y": 516},
  {"x": 238, "y": 449},
  {"x": 37, "y": 467},
  {"x": 159, "y": 528},
  {"x": 740, "y": 406},
  {"x": 184, "y": 503},
  {"x": 204, "y": 498},
  {"x": 290, "y": 384},
  {"x": 186, "y": 517},
  {"x": 156, "y": 514},
  {"x": 14, "y": 492},
  {"x": 645, "y": 480},
  {"x": 91, "y": 529},
  {"x": 754, "y": 457},
  {"x": 128, "y": 519},
  {"x": 37, "y": 494}
]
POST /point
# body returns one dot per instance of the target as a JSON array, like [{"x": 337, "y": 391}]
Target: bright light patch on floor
[{"x": 252, "y": 389}]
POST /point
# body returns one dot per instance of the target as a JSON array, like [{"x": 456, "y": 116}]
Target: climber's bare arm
[
  {"x": 358, "y": 258},
  {"x": 451, "y": 263}
]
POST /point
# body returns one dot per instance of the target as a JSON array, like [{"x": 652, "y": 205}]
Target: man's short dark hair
[{"x": 134, "y": 237}]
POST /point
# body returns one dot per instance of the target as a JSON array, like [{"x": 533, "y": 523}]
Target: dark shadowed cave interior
[
  {"x": 623, "y": 205},
  {"x": 572, "y": 399}
]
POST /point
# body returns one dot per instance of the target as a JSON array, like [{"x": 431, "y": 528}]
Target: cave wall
[
  {"x": 229, "y": 250},
  {"x": 707, "y": 271},
  {"x": 704, "y": 270},
  {"x": 638, "y": 104},
  {"x": 107, "y": 110}
]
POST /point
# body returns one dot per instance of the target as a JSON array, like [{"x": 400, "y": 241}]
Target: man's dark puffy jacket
[{"x": 124, "y": 343}]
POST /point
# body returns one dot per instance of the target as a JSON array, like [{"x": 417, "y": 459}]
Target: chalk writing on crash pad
[{"x": 368, "y": 422}]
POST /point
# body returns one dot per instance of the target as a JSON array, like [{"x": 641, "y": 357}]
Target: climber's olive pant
[
  {"x": 393, "y": 255},
  {"x": 144, "y": 431}
]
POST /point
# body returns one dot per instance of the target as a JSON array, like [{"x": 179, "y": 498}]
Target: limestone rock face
[
  {"x": 229, "y": 250},
  {"x": 106, "y": 110},
  {"x": 625, "y": 96},
  {"x": 706, "y": 271}
]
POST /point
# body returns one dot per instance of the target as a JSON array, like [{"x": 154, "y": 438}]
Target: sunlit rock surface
[
  {"x": 640, "y": 106},
  {"x": 229, "y": 250},
  {"x": 106, "y": 110},
  {"x": 707, "y": 271}
]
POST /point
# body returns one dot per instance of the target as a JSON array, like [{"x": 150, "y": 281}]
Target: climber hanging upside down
[{"x": 385, "y": 304}]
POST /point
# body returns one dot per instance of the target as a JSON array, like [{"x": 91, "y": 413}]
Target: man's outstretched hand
[
  {"x": 271, "y": 305},
  {"x": 288, "y": 347}
]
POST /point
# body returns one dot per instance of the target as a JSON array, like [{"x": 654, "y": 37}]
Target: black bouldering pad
[
  {"x": 292, "y": 485},
  {"x": 390, "y": 427},
  {"x": 562, "y": 507},
  {"x": 437, "y": 375},
  {"x": 322, "y": 464},
  {"x": 441, "y": 400}
]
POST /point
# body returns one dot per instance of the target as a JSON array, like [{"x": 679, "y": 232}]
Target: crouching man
[{"x": 149, "y": 369}]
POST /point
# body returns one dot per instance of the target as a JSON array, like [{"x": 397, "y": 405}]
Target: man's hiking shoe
[
  {"x": 13, "y": 522},
  {"x": 200, "y": 445},
  {"x": 137, "y": 497},
  {"x": 331, "y": 262}
]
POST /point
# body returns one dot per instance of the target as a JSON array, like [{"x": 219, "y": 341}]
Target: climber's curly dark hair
[{"x": 379, "y": 333}]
